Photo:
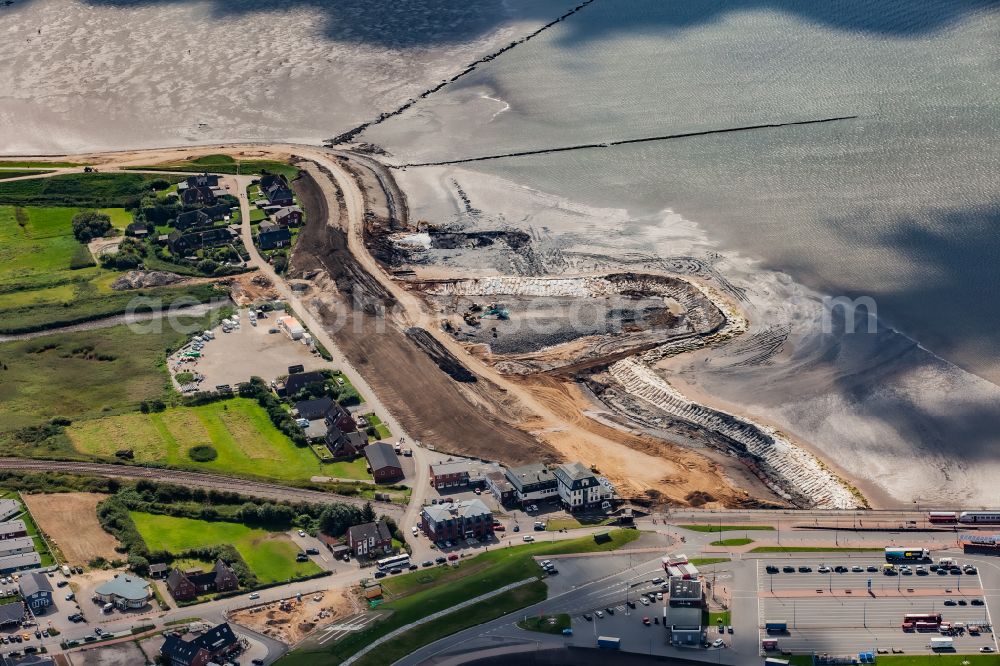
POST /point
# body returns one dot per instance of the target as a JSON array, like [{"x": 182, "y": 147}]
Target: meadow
[
  {"x": 239, "y": 430},
  {"x": 48, "y": 278},
  {"x": 226, "y": 164},
  {"x": 91, "y": 190},
  {"x": 271, "y": 555},
  {"x": 81, "y": 374}
]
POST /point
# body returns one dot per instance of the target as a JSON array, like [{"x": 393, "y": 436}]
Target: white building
[
  {"x": 578, "y": 487},
  {"x": 291, "y": 326}
]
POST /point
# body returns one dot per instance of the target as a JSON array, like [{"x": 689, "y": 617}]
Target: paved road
[{"x": 195, "y": 480}]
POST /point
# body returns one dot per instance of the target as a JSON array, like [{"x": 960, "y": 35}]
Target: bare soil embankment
[{"x": 425, "y": 399}]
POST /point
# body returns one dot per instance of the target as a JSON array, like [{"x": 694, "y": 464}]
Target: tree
[
  {"x": 368, "y": 513},
  {"x": 88, "y": 225}
]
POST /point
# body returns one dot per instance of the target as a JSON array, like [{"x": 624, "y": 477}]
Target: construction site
[{"x": 532, "y": 367}]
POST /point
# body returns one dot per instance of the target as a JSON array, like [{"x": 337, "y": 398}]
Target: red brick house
[
  {"x": 370, "y": 540},
  {"x": 185, "y": 586},
  {"x": 450, "y": 474}
]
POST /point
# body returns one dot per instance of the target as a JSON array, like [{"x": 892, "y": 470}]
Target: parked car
[
  {"x": 412, "y": 567},
  {"x": 254, "y": 595},
  {"x": 599, "y": 613},
  {"x": 396, "y": 570},
  {"x": 976, "y": 602},
  {"x": 986, "y": 649},
  {"x": 645, "y": 621},
  {"x": 441, "y": 560},
  {"x": 380, "y": 574},
  {"x": 771, "y": 569},
  {"x": 824, "y": 569},
  {"x": 857, "y": 568},
  {"x": 644, "y": 600},
  {"x": 588, "y": 617},
  {"x": 528, "y": 538},
  {"x": 453, "y": 557},
  {"x": 805, "y": 569},
  {"x": 609, "y": 610},
  {"x": 871, "y": 568},
  {"x": 427, "y": 563},
  {"x": 950, "y": 602},
  {"x": 302, "y": 533},
  {"x": 788, "y": 569},
  {"x": 718, "y": 642}
]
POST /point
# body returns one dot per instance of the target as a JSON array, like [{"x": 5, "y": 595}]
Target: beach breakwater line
[
  {"x": 796, "y": 468},
  {"x": 350, "y": 135},
  {"x": 624, "y": 142}
]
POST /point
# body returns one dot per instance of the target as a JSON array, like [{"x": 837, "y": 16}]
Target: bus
[
  {"x": 942, "y": 517},
  {"x": 907, "y": 554},
  {"x": 401, "y": 561},
  {"x": 921, "y": 621}
]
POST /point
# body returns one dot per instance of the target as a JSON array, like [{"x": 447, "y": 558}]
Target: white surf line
[{"x": 801, "y": 470}]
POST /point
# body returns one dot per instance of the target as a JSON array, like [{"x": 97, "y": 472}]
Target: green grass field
[
  {"x": 41, "y": 281},
  {"x": 225, "y": 164},
  {"x": 271, "y": 555},
  {"x": 37, "y": 164},
  {"x": 421, "y": 593},
  {"x": 352, "y": 469},
  {"x": 6, "y": 174},
  {"x": 91, "y": 190},
  {"x": 731, "y": 542},
  {"x": 705, "y": 561},
  {"x": 726, "y": 528},
  {"x": 247, "y": 442},
  {"x": 64, "y": 375}
]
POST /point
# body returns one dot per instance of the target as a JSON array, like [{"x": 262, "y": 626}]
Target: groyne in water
[
  {"x": 350, "y": 135},
  {"x": 624, "y": 142}
]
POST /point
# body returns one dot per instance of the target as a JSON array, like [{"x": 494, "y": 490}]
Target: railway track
[{"x": 260, "y": 489}]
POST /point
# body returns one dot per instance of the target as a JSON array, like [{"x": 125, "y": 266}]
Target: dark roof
[
  {"x": 528, "y": 475},
  {"x": 191, "y": 218},
  {"x": 300, "y": 380},
  {"x": 314, "y": 409},
  {"x": 11, "y": 613},
  {"x": 203, "y": 180},
  {"x": 214, "y": 640},
  {"x": 381, "y": 455},
  {"x": 33, "y": 582},
  {"x": 378, "y": 531},
  {"x": 159, "y": 566}
]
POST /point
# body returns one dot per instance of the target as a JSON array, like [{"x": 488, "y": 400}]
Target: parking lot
[{"x": 835, "y": 612}]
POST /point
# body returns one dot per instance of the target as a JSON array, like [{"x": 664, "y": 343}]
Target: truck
[
  {"x": 609, "y": 642},
  {"x": 947, "y": 561},
  {"x": 65, "y": 571},
  {"x": 775, "y": 627},
  {"x": 942, "y": 643}
]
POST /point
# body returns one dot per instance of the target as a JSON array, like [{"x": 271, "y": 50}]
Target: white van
[{"x": 108, "y": 607}]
